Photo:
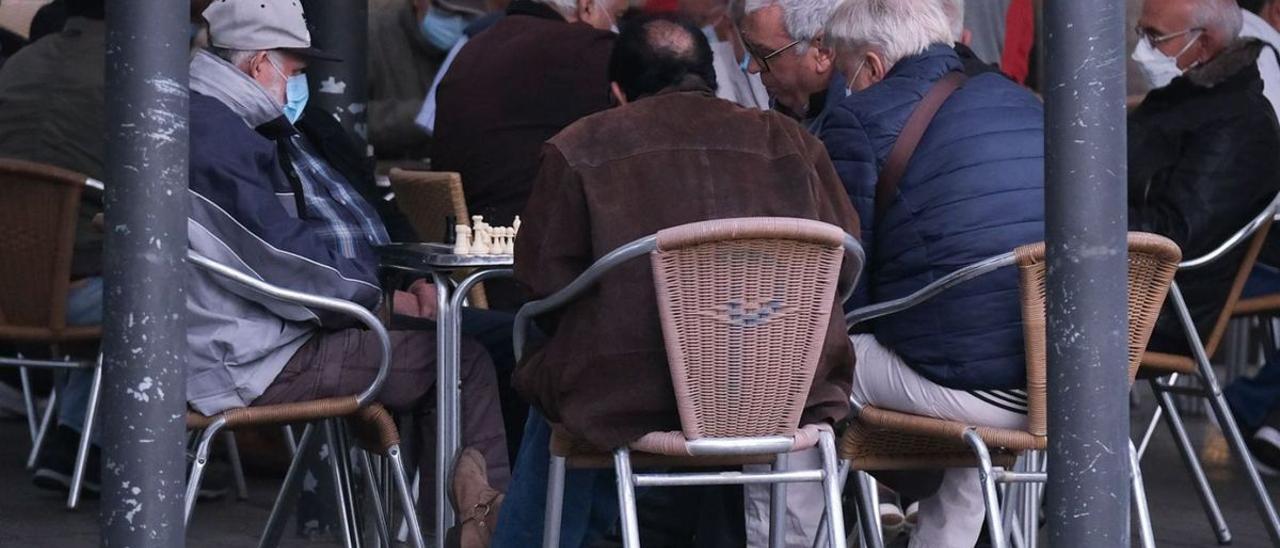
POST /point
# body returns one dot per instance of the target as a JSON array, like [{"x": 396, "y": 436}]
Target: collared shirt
[{"x": 351, "y": 221}]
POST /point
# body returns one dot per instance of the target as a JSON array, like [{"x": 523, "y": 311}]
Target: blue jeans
[
  {"x": 590, "y": 496},
  {"x": 1252, "y": 399},
  {"x": 84, "y": 307}
]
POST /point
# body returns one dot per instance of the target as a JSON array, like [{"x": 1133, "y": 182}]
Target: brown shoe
[{"x": 475, "y": 502}]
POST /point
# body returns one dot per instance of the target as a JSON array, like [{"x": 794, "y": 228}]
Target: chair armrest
[
  {"x": 1268, "y": 215},
  {"x": 577, "y": 287},
  {"x": 930, "y": 291},
  {"x": 348, "y": 308}
]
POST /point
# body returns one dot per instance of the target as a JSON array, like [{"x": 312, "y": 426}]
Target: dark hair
[{"x": 653, "y": 53}]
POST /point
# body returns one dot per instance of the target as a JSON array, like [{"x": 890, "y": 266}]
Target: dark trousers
[
  {"x": 345, "y": 362},
  {"x": 1252, "y": 399}
]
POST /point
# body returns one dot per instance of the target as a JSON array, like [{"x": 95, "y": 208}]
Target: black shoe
[{"x": 57, "y": 462}]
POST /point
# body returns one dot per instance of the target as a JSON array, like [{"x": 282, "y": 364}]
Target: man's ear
[
  {"x": 824, "y": 58},
  {"x": 617, "y": 93},
  {"x": 966, "y": 37},
  {"x": 585, "y": 7},
  {"x": 876, "y": 68}
]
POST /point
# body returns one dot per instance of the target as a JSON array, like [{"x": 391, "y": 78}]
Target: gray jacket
[{"x": 244, "y": 214}]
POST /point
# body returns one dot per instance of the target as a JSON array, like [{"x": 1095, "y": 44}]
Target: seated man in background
[
  {"x": 973, "y": 188},
  {"x": 1204, "y": 158},
  {"x": 262, "y": 197},
  {"x": 508, "y": 90},
  {"x": 620, "y": 175},
  {"x": 68, "y": 133}
]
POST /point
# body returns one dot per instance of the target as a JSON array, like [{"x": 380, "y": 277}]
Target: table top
[{"x": 436, "y": 256}]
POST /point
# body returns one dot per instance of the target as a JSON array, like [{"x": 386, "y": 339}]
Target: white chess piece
[
  {"x": 508, "y": 240},
  {"x": 462, "y": 240},
  {"x": 481, "y": 246},
  {"x": 516, "y": 226}
]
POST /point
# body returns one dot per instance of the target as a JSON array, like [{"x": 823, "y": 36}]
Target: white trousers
[{"x": 953, "y": 516}]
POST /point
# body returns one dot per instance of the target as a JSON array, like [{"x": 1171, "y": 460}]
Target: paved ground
[{"x": 33, "y": 518}]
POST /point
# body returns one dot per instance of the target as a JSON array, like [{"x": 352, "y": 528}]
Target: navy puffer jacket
[{"x": 974, "y": 189}]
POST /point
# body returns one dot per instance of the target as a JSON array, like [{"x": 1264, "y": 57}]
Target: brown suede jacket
[{"x": 677, "y": 157}]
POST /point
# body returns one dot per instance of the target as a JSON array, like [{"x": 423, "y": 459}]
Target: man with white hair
[
  {"x": 1202, "y": 160},
  {"x": 785, "y": 41},
  {"x": 944, "y": 170}
]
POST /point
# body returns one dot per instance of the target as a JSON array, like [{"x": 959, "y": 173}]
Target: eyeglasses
[
  {"x": 764, "y": 59},
  {"x": 1152, "y": 36}
]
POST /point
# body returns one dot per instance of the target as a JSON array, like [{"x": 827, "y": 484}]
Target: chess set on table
[{"x": 482, "y": 239}]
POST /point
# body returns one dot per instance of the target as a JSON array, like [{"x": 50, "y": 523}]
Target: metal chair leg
[
  {"x": 348, "y": 470},
  {"x": 778, "y": 506},
  {"x": 237, "y": 467},
  {"x": 86, "y": 436},
  {"x": 289, "y": 439},
  {"x": 197, "y": 466},
  {"x": 335, "y": 468},
  {"x": 1031, "y": 505},
  {"x": 43, "y": 432},
  {"x": 1155, "y": 417},
  {"x": 29, "y": 401},
  {"x": 1189, "y": 458},
  {"x": 1218, "y": 404},
  {"x": 379, "y": 513},
  {"x": 832, "y": 485},
  {"x": 626, "y": 498},
  {"x": 1146, "y": 536},
  {"x": 823, "y": 537},
  {"x": 288, "y": 493},
  {"x": 987, "y": 475},
  {"x": 410, "y": 509},
  {"x": 555, "y": 503},
  {"x": 868, "y": 511}
]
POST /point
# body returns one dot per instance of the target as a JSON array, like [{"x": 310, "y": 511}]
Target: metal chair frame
[
  {"x": 39, "y": 424},
  {"x": 628, "y": 480},
  {"x": 1211, "y": 390},
  {"x": 1030, "y": 473},
  {"x": 334, "y": 431}
]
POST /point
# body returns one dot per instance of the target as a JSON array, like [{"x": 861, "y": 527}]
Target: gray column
[
  {"x": 1086, "y": 223},
  {"x": 144, "y": 339},
  {"x": 341, "y": 27}
]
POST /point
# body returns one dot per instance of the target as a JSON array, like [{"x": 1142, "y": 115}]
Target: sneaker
[
  {"x": 1264, "y": 446},
  {"x": 892, "y": 520},
  {"x": 913, "y": 516},
  {"x": 57, "y": 462}
]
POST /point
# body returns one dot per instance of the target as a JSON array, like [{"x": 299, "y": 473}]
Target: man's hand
[{"x": 419, "y": 301}]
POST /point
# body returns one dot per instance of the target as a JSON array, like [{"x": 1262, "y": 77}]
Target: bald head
[{"x": 653, "y": 53}]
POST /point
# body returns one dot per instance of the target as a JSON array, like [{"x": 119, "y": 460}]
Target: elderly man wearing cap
[{"x": 264, "y": 200}]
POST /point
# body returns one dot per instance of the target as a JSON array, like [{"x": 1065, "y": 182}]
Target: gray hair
[
  {"x": 896, "y": 28},
  {"x": 954, "y": 10},
  {"x": 804, "y": 19},
  {"x": 1221, "y": 17},
  {"x": 563, "y": 7}
]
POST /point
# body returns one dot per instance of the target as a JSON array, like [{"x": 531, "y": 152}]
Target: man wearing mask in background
[
  {"x": 785, "y": 42},
  {"x": 408, "y": 40},
  {"x": 511, "y": 88},
  {"x": 736, "y": 82},
  {"x": 1204, "y": 152}
]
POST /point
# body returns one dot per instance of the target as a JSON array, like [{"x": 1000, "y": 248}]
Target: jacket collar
[
  {"x": 1237, "y": 57},
  {"x": 930, "y": 64},
  {"x": 534, "y": 9},
  {"x": 216, "y": 78}
]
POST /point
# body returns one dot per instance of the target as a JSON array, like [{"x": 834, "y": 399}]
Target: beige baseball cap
[{"x": 261, "y": 25}]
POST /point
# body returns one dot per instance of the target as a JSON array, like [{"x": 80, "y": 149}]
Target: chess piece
[
  {"x": 511, "y": 240},
  {"x": 483, "y": 242},
  {"x": 462, "y": 243},
  {"x": 516, "y": 226}
]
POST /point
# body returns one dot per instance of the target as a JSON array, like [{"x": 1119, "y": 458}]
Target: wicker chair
[
  {"x": 1163, "y": 370},
  {"x": 880, "y": 439},
  {"x": 427, "y": 198},
  {"x": 372, "y": 427},
  {"x": 38, "y": 220},
  {"x": 726, "y": 289}
]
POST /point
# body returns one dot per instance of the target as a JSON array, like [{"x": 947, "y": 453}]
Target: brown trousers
[{"x": 345, "y": 362}]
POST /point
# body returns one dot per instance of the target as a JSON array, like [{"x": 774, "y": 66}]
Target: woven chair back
[
  {"x": 745, "y": 306},
  {"x": 427, "y": 198},
  {"x": 38, "y": 214},
  {"x": 1153, "y": 262}
]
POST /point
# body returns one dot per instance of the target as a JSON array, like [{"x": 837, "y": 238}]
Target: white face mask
[{"x": 1158, "y": 68}]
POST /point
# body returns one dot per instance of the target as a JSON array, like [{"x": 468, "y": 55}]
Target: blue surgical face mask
[
  {"x": 296, "y": 94},
  {"x": 443, "y": 29}
]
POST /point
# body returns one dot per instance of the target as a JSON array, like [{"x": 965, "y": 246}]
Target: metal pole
[
  {"x": 144, "y": 338},
  {"x": 1085, "y": 226},
  {"x": 341, "y": 88}
]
